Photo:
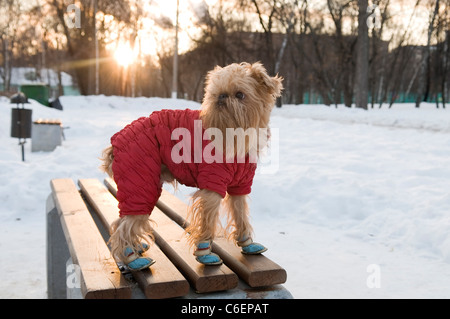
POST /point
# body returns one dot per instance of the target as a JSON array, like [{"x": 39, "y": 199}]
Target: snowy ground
[{"x": 358, "y": 205}]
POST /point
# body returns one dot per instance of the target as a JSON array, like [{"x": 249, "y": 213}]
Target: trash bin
[
  {"x": 21, "y": 120},
  {"x": 21, "y": 123},
  {"x": 47, "y": 135},
  {"x": 38, "y": 92}
]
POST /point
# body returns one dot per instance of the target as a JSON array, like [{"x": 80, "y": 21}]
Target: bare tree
[
  {"x": 379, "y": 50},
  {"x": 269, "y": 16},
  {"x": 396, "y": 63},
  {"x": 362, "y": 65},
  {"x": 424, "y": 78},
  {"x": 80, "y": 44},
  {"x": 442, "y": 54},
  {"x": 11, "y": 12}
]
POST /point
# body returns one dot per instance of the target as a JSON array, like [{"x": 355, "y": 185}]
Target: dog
[{"x": 214, "y": 149}]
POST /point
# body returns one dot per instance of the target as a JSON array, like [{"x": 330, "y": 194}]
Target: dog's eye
[{"x": 240, "y": 95}]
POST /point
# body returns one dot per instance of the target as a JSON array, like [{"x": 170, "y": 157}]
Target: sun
[{"x": 124, "y": 55}]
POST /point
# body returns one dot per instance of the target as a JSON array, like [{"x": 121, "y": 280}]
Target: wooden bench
[{"x": 80, "y": 265}]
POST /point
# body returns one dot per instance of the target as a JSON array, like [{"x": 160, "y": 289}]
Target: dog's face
[{"x": 239, "y": 96}]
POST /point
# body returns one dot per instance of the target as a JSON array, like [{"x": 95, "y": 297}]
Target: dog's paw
[
  {"x": 251, "y": 248},
  {"x": 145, "y": 247},
  {"x": 205, "y": 256},
  {"x": 135, "y": 261},
  {"x": 209, "y": 260},
  {"x": 140, "y": 263}
]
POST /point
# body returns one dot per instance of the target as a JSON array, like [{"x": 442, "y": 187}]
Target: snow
[{"x": 357, "y": 206}]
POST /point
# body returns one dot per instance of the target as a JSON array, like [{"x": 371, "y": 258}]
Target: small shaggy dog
[{"x": 214, "y": 149}]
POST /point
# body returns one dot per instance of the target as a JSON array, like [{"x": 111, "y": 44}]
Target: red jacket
[{"x": 144, "y": 145}]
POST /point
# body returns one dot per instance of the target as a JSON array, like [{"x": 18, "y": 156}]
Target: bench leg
[
  {"x": 72, "y": 280},
  {"x": 57, "y": 253}
]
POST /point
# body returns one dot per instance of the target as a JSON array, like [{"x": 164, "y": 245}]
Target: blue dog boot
[
  {"x": 144, "y": 247},
  {"x": 135, "y": 261},
  {"x": 205, "y": 256},
  {"x": 250, "y": 248}
]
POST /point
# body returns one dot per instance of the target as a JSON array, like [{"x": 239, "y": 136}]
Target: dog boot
[
  {"x": 250, "y": 248},
  {"x": 135, "y": 261},
  {"x": 144, "y": 248},
  {"x": 205, "y": 256}
]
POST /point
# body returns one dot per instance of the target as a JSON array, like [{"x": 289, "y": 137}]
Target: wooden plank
[
  {"x": 111, "y": 186},
  {"x": 100, "y": 276},
  {"x": 255, "y": 270},
  {"x": 172, "y": 240},
  {"x": 162, "y": 280}
]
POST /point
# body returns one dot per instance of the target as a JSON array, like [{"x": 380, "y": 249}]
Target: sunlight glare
[{"x": 124, "y": 55}]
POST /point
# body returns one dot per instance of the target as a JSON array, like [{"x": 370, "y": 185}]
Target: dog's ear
[{"x": 272, "y": 84}]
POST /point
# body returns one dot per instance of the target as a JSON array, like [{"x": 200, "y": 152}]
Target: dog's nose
[{"x": 222, "y": 97}]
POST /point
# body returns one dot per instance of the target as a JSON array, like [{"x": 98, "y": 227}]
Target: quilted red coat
[{"x": 144, "y": 145}]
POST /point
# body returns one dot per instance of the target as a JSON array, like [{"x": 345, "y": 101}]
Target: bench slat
[
  {"x": 162, "y": 280},
  {"x": 111, "y": 186},
  {"x": 100, "y": 276},
  {"x": 255, "y": 270},
  {"x": 172, "y": 240}
]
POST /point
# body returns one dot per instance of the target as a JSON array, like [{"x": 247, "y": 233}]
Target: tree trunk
[
  {"x": 6, "y": 65},
  {"x": 425, "y": 65},
  {"x": 362, "y": 62}
]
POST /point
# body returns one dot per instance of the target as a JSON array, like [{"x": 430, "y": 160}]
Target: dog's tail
[{"x": 107, "y": 160}]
